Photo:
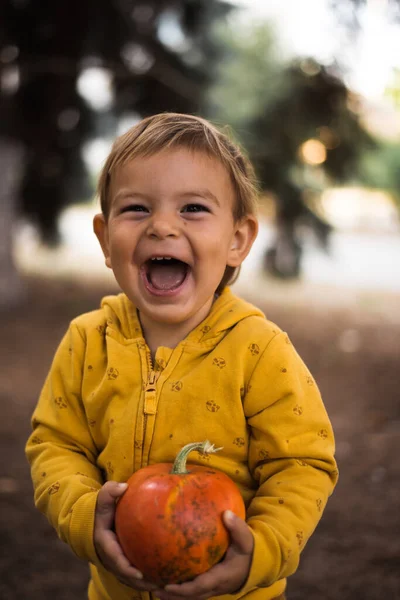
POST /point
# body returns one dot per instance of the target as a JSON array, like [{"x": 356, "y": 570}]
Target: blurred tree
[
  {"x": 156, "y": 55},
  {"x": 300, "y": 125}
]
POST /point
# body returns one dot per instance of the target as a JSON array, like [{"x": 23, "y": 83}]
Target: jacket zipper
[{"x": 150, "y": 403}]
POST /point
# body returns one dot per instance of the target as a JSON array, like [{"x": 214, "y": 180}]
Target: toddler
[{"x": 178, "y": 358}]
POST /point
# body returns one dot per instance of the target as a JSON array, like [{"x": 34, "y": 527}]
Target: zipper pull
[
  {"x": 151, "y": 380},
  {"x": 150, "y": 403}
]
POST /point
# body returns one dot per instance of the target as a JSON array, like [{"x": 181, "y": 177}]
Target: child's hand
[
  {"x": 106, "y": 543},
  {"x": 227, "y": 576}
]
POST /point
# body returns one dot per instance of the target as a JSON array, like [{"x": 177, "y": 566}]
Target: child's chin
[{"x": 167, "y": 315}]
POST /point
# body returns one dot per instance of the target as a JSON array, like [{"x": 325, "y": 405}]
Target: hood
[
  {"x": 226, "y": 312},
  {"x": 121, "y": 316}
]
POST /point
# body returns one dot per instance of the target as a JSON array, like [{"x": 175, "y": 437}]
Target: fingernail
[
  {"x": 139, "y": 575},
  {"x": 229, "y": 515},
  {"x": 122, "y": 486}
]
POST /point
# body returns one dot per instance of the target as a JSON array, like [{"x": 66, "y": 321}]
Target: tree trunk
[
  {"x": 283, "y": 259},
  {"x": 11, "y": 164}
]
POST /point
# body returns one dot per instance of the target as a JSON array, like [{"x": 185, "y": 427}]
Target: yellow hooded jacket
[{"x": 106, "y": 410}]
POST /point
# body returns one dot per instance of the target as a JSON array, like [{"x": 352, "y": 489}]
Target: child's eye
[
  {"x": 195, "y": 208},
  {"x": 134, "y": 208}
]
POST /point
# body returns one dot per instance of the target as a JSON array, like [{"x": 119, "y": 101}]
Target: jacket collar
[{"x": 226, "y": 312}]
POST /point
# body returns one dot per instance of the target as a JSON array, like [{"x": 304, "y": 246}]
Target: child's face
[{"x": 171, "y": 233}]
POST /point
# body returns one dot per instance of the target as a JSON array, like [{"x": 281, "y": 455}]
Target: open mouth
[{"x": 165, "y": 274}]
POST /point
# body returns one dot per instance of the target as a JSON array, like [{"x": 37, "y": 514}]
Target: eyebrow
[
  {"x": 122, "y": 194},
  {"x": 201, "y": 193}
]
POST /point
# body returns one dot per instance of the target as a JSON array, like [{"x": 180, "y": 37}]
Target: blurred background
[{"x": 311, "y": 90}]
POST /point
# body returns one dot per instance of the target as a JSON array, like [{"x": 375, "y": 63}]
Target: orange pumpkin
[{"x": 169, "y": 520}]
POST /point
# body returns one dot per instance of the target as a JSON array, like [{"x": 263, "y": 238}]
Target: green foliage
[
  {"x": 380, "y": 168},
  {"x": 248, "y": 77}
]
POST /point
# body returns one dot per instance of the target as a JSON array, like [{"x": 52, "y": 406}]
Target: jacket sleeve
[
  {"x": 62, "y": 453},
  {"x": 291, "y": 456}
]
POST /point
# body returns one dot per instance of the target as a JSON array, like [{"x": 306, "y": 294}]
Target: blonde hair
[{"x": 173, "y": 130}]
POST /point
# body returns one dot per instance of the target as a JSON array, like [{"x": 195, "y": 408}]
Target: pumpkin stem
[{"x": 179, "y": 467}]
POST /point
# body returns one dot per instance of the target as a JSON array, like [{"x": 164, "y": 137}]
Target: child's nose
[{"x": 162, "y": 226}]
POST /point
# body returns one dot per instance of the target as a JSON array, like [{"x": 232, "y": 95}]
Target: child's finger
[
  {"x": 202, "y": 585},
  {"x": 113, "y": 558},
  {"x": 105, "y": 506},
  {"x": 240, "y": 533}
]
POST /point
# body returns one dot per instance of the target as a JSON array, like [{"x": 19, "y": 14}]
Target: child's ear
[
  {"x": 101, "y": 230},
  {"x": 242, "y": 240}
]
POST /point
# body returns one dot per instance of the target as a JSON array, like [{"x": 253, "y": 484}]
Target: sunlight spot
[
  {"x": 137, "y": 58},
  {"x": 95, "y": 86},
  {"x": 313, "y": 152}
]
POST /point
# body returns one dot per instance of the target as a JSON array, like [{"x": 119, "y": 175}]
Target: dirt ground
[{"x": 354, "y": 355}]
